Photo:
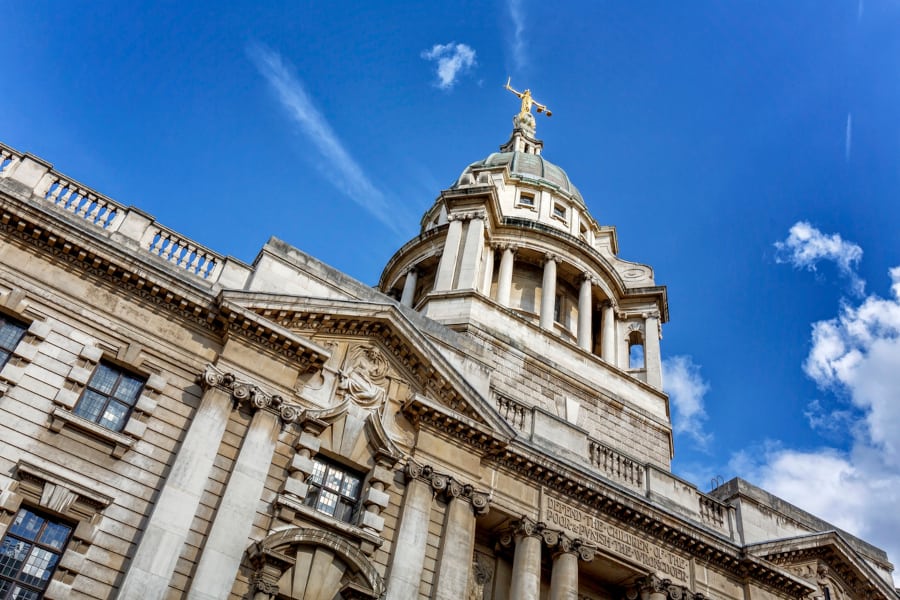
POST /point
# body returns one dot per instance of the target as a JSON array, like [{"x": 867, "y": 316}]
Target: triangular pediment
[
  {"x": 376, "y": 350},
  {"x": 827, "y": 559}
]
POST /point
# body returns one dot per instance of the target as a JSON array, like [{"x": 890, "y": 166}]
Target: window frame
[
  {"x": 350, "y": 504},
  {"x": 11, "y": 349},
  {"x": 559, "y": 211},
  {"x": 36, "y": 543},
  {"x": 531, "y": 204},
  {"x": 110, "y": 396}
]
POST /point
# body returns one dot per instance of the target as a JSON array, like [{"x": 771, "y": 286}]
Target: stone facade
[{"x": 488, "y": 424}]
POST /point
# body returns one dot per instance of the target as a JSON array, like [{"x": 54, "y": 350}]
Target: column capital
[
  {"x": 449, "y": 487},
  {"x": 589, "y": 277},
  {"x": 247, "y": 392},
  {"x": 549, "y": 256},
  {"x": 503, "y": 246},
  {"x": 412, "y": 270}
]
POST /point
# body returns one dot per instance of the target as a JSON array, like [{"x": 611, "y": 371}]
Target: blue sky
[{"x": 748, "y": 151}]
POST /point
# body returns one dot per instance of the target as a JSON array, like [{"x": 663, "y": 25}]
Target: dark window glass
[
  {"x": 11, "y": 333},
  {"x": 333, "y": 490},
  {"x": 110, "y": 395},
  {"x": 29, "y": 553}
]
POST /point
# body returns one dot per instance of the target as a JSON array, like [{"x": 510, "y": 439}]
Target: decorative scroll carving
[
  {"x": 449, "y": 487},
  {"x": 479, "y": 576},
  {"x": 246, "y": 392},
  {"x": 654, "y": 587},
  {"x": 555, "y": 539}
]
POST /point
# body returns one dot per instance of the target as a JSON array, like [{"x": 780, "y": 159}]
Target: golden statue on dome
[{"x": 527, "y": 100}]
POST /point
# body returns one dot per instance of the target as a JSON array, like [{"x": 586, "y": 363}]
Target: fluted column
[
  {"x": 548, "y": 292},
  {"x": 652, "y": 358},
  {"x": 227, "y": 539},
  {"x": 585, "y": 310},
  {"x": 412, "y": 536},
  {"x": 409, "y": 288},
  {"x": 504, "y": 277},
  {"x": 526, "y": 575},
  {"x": 564, "y": 576},
  {"x": 447, "y": 266},
  {"x": 458, "y": 542},
  {"x": 608, "y": 334},
  {"x": 166, "y": 531}
]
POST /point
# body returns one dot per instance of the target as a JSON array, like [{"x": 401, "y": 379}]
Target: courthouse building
[{"x": 487, "y": 423}]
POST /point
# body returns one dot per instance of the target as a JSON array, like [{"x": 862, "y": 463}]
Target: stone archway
[{"x": 301, "y": 563}]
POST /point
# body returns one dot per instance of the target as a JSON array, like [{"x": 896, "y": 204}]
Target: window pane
[
  {"x": 91, "y": 406},
  {"x": 128, "y": 389},
  {"x": 327, "y": 502},
  {"x": 26, "y": 525},
  {"x": 22, "y": 594},
  {"x": 318, "y": 474},
  {"x": 350, "y": 488},
  {"x": 333, "y": 480},
  {"x": 104, "y": 379},
  {"x": 39, "y": 567},
  {"x": 4, "y": 587},
  {"x": 10, "y": 334},
  {"x": 55, "y": 535},
  {"x": 12, "y": 555},
  {"x": 114, "y": 416}
]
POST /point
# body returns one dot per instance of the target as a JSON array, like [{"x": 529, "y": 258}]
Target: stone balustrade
[
  {"x": 616, "y": 466},
  {"x": 712, "y": 512},
  {"x": 101, "y": 212},
  {"x": 516, "y": 414}
]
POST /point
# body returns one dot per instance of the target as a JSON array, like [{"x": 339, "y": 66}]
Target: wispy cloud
[
  {"x": 686, "y": 389},
  {"x": 453, "y": 60},
  {"x": 848, "y": 137},
  {"x": 337, "y": 163},
  {"x": 517, "y": 16},
  {"x": 806, "y": 246}
]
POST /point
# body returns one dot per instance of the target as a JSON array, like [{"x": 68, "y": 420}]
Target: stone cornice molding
[
  {"x": 251, "y": 395},
  {"x": 467, "y": 216}
]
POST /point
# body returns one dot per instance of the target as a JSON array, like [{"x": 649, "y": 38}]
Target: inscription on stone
[{"x": 592, "y": 530}]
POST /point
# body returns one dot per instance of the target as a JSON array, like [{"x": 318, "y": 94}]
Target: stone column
[
  {"x": 488, "y": 271},
  {"x": 409, "y": 288},
  {"x": 585, "y": 308},
  {"x": 227, "y": 539},
  {"x": 548, "y": 292},
  {"x": 473, "y": 249},
  {"x": 169, "y": 525},
  {"x": 608, "y": 334},
  {"x": 652, "y": 358},
  {"x": 504, "y": 277},
  {"x": 447, "y": 266},
  {"x": 458, "y": 542},
  {"x": 653, "y": 588},
  {"x": 564, "y": 576},
  {"x": 412, "y": 536},
  {"x": 526, "y": 575}
]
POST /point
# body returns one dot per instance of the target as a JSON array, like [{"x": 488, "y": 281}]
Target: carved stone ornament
[
  {"x": 481, "y": 574},
  {"x": 448, "y": 487},
  {"x": 364, "y": 378},
  {"x": 250, "y": 394}
]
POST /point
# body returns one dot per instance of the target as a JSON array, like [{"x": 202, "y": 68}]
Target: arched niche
[{"x": 301, "y": 563}]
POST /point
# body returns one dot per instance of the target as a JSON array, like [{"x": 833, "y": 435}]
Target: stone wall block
[
  {"x": 377, "y": 498},
  {"x": 135, "y": 428},
  {"x": 303, "y": 464},
  {"x": 296, "y": 487},
  {"x": 309, "y": 442},
  {"x": 39, "y": 329},
  {"x": 80, "y": 375},
  {"x": 91, "y": 354},
  {"x": 156, "y": 383},
  {"x": 26, "y": 351},
  {"x": 66, "y": 398},
  {"x": 372, "y": 521},
  {"x": 146, "y": 404}
]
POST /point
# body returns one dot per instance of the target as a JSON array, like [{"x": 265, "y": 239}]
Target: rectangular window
[
  {"x": 29, "y": 553},
  {"x": 526, "y": 199},
  {"x": 333, "y": 490},
  {"x": 109, "y": 397},
  {"x": 559, "y": 211},
  {"x": 11, "y": 333}
]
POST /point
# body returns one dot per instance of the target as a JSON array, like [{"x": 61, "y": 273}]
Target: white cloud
[
  {"x": 345, "y": 173},
  {"x": 806, "y": 246},
  {"x": 452, "y": 61},
  {"x": 517, "y": 16},
  {"x": 686, "y": 389},
  {"x": 855, "y": 355}
]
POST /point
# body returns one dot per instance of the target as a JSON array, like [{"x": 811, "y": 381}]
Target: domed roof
[{"x": 528, "y": 167}]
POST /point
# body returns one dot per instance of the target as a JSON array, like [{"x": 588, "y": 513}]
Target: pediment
[
  {"x": 376, "y": 353},
  {"x": 826, "y": 559}
]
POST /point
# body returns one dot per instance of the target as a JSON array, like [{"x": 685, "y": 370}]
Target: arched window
[{"x": 635, "y": 350}]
